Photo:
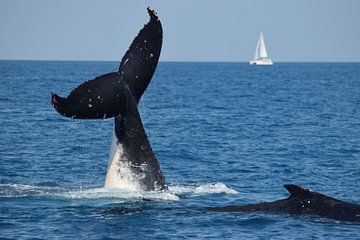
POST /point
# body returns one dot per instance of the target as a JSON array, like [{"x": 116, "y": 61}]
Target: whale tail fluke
[
  {"x": 101, "y": 97},
  {"x": 132, "y": 162}
]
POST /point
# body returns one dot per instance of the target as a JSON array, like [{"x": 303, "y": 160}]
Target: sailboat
[{"x": 261, "y": 56}]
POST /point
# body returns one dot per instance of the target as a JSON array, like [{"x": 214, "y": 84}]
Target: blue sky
[{"x": 194, "y": 30}]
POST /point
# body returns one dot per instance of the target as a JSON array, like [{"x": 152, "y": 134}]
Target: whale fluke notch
[{"x": 98, "y": 98}]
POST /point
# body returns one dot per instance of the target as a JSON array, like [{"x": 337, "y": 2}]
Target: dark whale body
[
  {"x": 116, "y": 95},
  {"x": 302, "y": 202}
]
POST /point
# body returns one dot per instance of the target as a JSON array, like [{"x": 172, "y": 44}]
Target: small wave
[
  {"x": 23, "y": 190},
  {"x": 204, "y": 189}
]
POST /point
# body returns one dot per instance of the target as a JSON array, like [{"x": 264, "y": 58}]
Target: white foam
[
  {"x": 20, "y": 190},
  {"x": 204, "y": 189},
  {"x": 118, "y": 194}
]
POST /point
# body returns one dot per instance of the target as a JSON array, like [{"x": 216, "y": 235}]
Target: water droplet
[{"x": 89, "y": 105}]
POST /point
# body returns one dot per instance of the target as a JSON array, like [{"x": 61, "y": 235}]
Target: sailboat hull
[{"x": 261, "y": 62}]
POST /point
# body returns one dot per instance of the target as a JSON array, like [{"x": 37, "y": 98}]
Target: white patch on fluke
[{"x": 119, "y": 173}]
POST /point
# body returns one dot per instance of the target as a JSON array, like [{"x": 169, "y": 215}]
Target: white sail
[
  {"x": 261, "y": 56},
  {"x": 262, "y": 48}
]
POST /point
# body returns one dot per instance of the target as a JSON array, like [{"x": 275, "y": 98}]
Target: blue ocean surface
[{"x": 224, "y": 133}]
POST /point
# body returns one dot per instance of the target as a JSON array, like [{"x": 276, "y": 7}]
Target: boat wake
[{"x": 174, "y": 193}]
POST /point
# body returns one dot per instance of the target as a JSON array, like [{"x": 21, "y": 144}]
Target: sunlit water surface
[{"x": 224, "y": 133}]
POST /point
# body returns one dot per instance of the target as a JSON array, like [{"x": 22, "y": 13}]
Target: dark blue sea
[{"x": 224, "y": 133}]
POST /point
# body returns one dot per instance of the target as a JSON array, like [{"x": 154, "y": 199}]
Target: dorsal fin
[{"x": 296, "y": 191}]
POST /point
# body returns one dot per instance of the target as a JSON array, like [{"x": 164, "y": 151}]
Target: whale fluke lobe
[
  {"x": 139, "y": 62},
  {"x": 132, "y": 163},
  {"x": 94, "y": 99}
]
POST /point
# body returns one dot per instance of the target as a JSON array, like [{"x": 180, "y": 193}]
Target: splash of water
[
  {"x": 203, "y": 189},
  {"x": 20, "y": 190}
]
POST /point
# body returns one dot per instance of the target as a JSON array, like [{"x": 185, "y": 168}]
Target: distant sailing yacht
[{"x": 261, "y": 56}]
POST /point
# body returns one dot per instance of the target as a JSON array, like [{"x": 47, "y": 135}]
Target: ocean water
[{"x": 224, "y": 133}]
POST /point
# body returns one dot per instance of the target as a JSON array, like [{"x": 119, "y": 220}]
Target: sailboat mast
[{"x": 256, "y": 55}]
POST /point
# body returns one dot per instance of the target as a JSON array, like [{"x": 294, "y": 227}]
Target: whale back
[{"x": 302, "y": 202}]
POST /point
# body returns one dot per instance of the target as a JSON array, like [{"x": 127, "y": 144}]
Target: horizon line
[{"x": 178, "y": 61}]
